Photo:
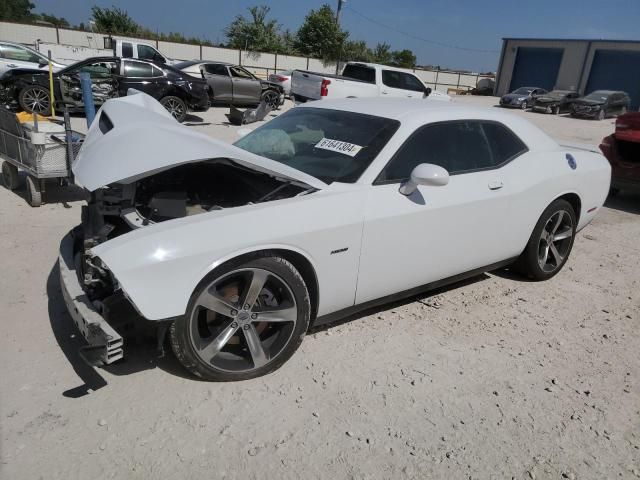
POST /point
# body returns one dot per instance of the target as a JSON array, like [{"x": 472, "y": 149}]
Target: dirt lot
[{"x": 494, "y": 378}]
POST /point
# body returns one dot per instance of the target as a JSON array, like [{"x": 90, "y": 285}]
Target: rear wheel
[
  {"x": 10, "y": 176},
  {"x": 550, "y": 243},
  {"x": 35, "y": 99},
  {"x": 176, "y": 107},
  {"x": 243, "y": 321}
]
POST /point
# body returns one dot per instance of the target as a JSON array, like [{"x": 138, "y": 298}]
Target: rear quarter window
[{"x": 504, "y": 144}]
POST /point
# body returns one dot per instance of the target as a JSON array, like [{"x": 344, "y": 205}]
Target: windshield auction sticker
[{"x": 339, "y": 146}]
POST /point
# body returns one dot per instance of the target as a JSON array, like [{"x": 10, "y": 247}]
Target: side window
[
  {"x": 459, "y": 147},
  {"x": 156, "y": 72},
  {"x": 100, "y": 70},
  {"x": 240, "y": 73},
  {"x": 145, "y": 52},
  {"x": 391, "y": 79},
  {"x": 504, "y": 144},
  {"x": 216, "y": 69},
  {"x": 412, "y": 83},
  {"x": 11, "y": 52},
  {"x": 127, "y": 50},
  {"x": 137, "y": 69}
]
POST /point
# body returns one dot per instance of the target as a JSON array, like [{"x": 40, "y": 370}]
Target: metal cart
[{"x": 44, "y": 150}]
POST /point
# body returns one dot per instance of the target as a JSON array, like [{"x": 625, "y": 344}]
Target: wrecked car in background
[
  {"x": 555, "y": 102},
  {"x": 234, "y": 85},
  {"x": 622, "y": 149},
  {"x": 324, "y": 210},
  {"x": 110, "y": 77},
  {"x": 601, "y": 104}
]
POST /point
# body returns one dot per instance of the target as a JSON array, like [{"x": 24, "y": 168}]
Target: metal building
[{"x": 582, "y": 65}]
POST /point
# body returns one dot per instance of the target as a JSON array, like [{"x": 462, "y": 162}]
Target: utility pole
[{"x": 340, "y": 3}]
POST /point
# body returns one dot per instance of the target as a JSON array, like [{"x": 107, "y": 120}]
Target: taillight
[
  {"x": 605, "y": 146},
  {"x": 324, "y": 88},
  {"x": 278, "y": 78}
]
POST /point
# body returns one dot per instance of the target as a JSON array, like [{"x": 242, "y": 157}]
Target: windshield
[
  {"x": 523, "y": 91},
  {"x": 597, "y": 96},
  {"x": 331, "y": 145}
]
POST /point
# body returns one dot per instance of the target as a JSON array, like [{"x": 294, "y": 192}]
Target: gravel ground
[{"x": 492, "y": 378}]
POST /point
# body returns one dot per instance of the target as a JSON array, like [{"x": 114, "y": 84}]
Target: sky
[{"x": 460, "y": 34}]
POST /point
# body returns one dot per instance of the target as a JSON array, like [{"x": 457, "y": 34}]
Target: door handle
[
  {"x": 496, "y": 185},
  {"x": 384, "y": 92}
]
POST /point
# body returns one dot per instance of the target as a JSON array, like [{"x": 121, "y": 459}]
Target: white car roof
[{"x": 413, "y": 113}]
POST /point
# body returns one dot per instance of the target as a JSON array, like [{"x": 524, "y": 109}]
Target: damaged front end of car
[{"x": 141, "y": 168}]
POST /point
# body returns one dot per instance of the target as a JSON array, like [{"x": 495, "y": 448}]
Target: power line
[{"x": 415, "y": 37}]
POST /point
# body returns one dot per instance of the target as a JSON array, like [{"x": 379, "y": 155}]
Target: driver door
[
  {"x": 437, "y": 232},
  {"x": 246, "y": 88},
  {"x": 102, "y": 83}
]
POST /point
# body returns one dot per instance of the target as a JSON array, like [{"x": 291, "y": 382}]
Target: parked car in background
[
  {"x": 324, "y": 210},
  {"x": 283, "y": 79},
  {"x": 233, "y": 84},
  {"x": 14, "y": 55},
  {"x": 139, "y": 51},
  {"x": 622, "y": 149},
  {"x": 522, "y": 98},
  {"x": 555, "y": 102},
  {"x": 601, "y": 104},
  {"x": 177, "y": 91},
  {"x": 360, "y": 80}
]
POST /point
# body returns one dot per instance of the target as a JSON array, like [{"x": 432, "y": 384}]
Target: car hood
[
  {"x": 588, "y": 102},
  {"x": 511, "y": 96},
  {"x": 134, "y": 136},
  {"x": 549, "y": 99},
  {"x": 267, "y": 83}
]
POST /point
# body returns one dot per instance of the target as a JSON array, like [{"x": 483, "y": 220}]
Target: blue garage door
[
  {"x": 536, "y": 67},
  {"x": 616, "y": 70}
]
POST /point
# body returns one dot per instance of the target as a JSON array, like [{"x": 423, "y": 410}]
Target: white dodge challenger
[{"x": 235, "y": 251}]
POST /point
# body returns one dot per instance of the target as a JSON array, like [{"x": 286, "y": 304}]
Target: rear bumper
[{"x": 104, "y": 343}]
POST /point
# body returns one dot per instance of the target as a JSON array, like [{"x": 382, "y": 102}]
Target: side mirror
[
  {"x": 425, "y": 174},
  {"x": 42, "y": 62},
  {"x": 427, "y": 91}
]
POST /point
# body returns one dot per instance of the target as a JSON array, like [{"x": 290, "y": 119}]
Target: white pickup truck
[{"x": 360, "y": 80}]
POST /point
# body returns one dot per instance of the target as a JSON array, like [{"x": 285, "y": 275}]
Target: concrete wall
[
  {"x": 576, "y": 60},
  {"x": 68, "y": 46}
]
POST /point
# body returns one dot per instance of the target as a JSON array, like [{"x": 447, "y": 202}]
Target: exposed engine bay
[{"x": 185, "y": 190}]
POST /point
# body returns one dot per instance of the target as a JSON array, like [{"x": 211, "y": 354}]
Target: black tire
[
  {"x": 34, "y": 192},
  {"x": 35, "y": 99},
  {"x": 601, "y": 114},
  {"x": 529, "y": 262},
  {"x": 524, "y": 105},
  {"x": 555, "y": 110},
  {"x": 10, "y": 176},
  {"x": 187, "y": 330},
  {"x": 272, "y": 98},
  {"x": 175, "y": 106}
]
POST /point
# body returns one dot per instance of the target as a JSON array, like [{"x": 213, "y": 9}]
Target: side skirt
[{"x": 346, "y": 312}]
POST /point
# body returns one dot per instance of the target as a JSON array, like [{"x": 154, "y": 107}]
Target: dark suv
[
  {"x": 601, "y": 104},
  {"x": 111, "y": 77}
]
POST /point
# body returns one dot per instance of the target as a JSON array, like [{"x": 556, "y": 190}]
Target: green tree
[
  {"x": 255, "y": 33},
  {"x": 52, "y": 19},
  {"x": 356, "y": 51},
  {"x": 403, "y": 58},
  {"x": 382, "y": 54},
  {"x": 15, "y": 10},
  {"x": 114, "y": 20},
  {"x": 320, "y": 36}
]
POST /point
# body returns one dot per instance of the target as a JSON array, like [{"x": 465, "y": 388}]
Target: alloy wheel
[
  {"x": 175, "y": 108},
  {"x": 37, "y": 100},
  {"x": 243, "y": 320},
  {"x": 271, "y": 99},
  {"x": 555, "y": 241}
]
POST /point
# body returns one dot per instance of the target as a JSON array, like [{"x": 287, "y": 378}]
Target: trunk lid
[{"x": 133, "y": 137}]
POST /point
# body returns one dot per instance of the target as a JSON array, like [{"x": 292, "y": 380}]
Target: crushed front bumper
[{"x": 104, "y": 343}]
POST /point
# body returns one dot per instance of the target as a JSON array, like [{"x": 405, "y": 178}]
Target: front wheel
[
  {"x": 176, "y": 107},
  {"x": 271, "y": 98},
  {"x": 524, "y": 105},
  {"x": 243, "y": 321},
  {"x": 35, "y": 99},
  {"x": 601, "y": 114},
  {"x": 556, "y": 110},
  {"x": 550, "y": 243}
]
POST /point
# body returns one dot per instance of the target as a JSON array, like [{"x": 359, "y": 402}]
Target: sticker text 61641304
[{"x": 339, "y": 146}]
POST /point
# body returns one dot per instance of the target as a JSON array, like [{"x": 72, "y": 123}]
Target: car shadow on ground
[
  {"x": 53, "y": 193},
  {"x": 624, "y": 201}
]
